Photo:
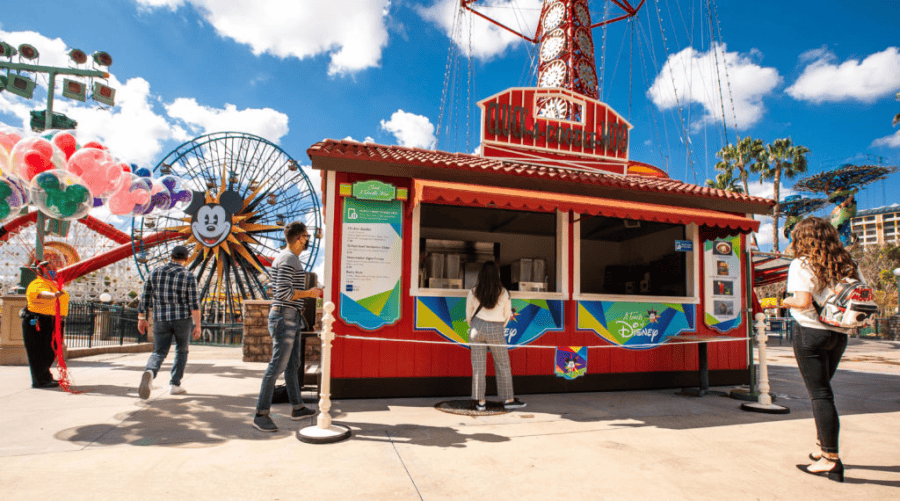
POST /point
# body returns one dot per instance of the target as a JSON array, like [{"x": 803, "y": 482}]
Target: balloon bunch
[{"x": 65, "y": 181}]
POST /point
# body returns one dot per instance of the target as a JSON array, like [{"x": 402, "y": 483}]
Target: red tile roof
[{"x": 462, "y": 162}]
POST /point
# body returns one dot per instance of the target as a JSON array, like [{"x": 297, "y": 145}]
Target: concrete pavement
[{"x": 105, "y": 443}]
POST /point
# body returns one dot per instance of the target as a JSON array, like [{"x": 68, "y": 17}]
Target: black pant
[
  {"x": 818, "y": 352},
  {"x": 37, "y": 333}
]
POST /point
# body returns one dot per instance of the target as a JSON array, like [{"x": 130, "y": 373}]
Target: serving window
[
  {"x": 634, "y": 260},
  {"x": 451, "y": 242}
]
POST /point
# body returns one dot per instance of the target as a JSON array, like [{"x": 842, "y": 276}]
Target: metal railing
[
  {"x": 228, "y": 334},
  {"x": 99, "y": 324}
]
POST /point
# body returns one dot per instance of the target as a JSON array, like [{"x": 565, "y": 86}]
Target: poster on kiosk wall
[
  {"x": 371, "y": 261},
  {"x": 723, "y": 273}
]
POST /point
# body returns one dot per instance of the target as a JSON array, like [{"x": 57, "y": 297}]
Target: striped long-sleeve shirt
[
  {"x": 287, "y": 277},
  {"x": 171, "y": 290}
]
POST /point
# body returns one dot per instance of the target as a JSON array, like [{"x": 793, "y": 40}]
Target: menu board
[
  {"x": 723, "y": 272},
  {"x": 371, "y": 262}
]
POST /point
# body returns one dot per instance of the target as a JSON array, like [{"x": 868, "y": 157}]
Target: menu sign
[
  {"x": 723, "y": 273},
  {"x": 371, "y": 261}
]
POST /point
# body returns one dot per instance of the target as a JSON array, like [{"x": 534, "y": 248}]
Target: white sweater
[{"x": 501, "y": 312}]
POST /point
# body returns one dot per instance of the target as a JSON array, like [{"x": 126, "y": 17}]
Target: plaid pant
[{"x": 490, "y": 333}]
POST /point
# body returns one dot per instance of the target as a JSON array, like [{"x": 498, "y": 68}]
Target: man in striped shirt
[
  {"x": 285, "y": 323},
  {"x": 171, "y": 290}
]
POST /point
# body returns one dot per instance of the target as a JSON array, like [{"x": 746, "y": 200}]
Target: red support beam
[
  {"x": 105, "y": 230},
  {"x": 117, "y": 254},
  {"x": 16, "y": 225}
]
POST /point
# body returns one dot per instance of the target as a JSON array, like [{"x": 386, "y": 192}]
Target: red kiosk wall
[{"x": 353, "y": 358}]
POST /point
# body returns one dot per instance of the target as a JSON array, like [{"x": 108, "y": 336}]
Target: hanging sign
[
  {"x": 723, "y": 273},
  {"x": 571, "y": 361},
  {"x": 371, "y": 259}
]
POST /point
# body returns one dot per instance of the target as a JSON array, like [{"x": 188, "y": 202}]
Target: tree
[
  {"x": 783, "y": 159},
  {"x": 747, "y": 153},
  {"x": 876, "y": 265},
  {"x": 897, "y": 116},
  {"x": 725, "y": 180}
]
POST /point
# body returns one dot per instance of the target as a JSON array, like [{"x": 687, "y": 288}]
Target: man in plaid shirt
[{"x": 171, "y": 290}]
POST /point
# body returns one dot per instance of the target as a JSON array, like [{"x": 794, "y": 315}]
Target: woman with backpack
[
  {"x": 488, "y": 309},
  {"x": 821, "y": 262}
]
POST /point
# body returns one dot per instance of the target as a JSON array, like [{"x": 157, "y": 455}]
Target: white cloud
[
  {"x": 892, "y": 141},
  {"x": 823, "y": 80},
  {"x": 411, "y": 130},
  {"x": 487, "y": 39},
  {"x": 368, "y": 139},
  {"x": 696, "y": 80},
  {"x": 265, "y": 122},
  {"x": 352, "y": 32}
]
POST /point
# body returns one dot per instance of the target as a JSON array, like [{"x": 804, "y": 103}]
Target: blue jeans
[
  {"x": 818, "y": 352},
  {"x": 163, "y": 332},
  {"x": 285, "y": 323}
]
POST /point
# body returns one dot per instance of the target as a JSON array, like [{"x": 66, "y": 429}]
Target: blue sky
[{"x": 824, "y": 73}]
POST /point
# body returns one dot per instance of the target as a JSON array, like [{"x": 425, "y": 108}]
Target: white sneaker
[{"x": 176, "y": 390}]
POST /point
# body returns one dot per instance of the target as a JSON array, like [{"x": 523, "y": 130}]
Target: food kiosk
[{"x": 609, "y": 261}]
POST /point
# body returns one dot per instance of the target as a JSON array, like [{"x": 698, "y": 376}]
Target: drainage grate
[{"x": 467, "y": 408}]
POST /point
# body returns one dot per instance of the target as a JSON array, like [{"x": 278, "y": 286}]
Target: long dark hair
[
  {"x": 819, "y": 242},
  {"x": 488, "y": 288}
]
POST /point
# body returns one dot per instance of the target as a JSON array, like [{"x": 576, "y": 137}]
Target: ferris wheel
[{"x": 245, "y": 190}]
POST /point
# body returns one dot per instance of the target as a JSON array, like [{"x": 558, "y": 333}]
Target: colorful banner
[
  {"x": 571, "y": 361},
  {"x": 636, "y": 325},
  {"x": 723, "y": 271},
  {"x": 371, "y": 262},
  {"x": 531, "y": 318}
]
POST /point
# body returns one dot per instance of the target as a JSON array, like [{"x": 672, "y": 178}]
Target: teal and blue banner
[
  {"x": 531, "y": 318},
  {"x": 636, "y": 325},
  {"x": 371, "y": 262}
]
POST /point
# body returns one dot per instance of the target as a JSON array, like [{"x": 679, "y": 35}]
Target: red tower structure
[{"x": 561, "y": 121}]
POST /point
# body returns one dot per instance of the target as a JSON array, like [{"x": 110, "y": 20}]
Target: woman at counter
[
  {"x": 488, "y": 309},
  {"x": 39, "y": 322}
]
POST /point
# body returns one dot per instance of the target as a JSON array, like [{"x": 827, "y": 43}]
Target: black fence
[
  {"x": 220, "y": 334},
  {"x": 887, "y": 328},
  {"x": 98, "y": 324}
]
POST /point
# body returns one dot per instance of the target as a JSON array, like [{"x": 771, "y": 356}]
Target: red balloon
[
  {"x": 65, "y": 142},
  {"x": 94, "y": 144},
  {"x": 35, "y": 163},
  {"x": 125, "y": 167}
]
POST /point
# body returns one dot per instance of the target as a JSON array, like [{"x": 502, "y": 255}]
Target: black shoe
[
  {"x": 301, "y": 413},
  {"x": 264, "y": 423},
  {"x": 515, "y": 404},
  {"x": 47, "y": 384},
  {"x": 836, "y": 472},
  {"x": 481, "y": 407}
]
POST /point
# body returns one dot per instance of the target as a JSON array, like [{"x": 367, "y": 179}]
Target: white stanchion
[
  {"x": 765, "y": 404},
  {"x": 325, "y": 432}
]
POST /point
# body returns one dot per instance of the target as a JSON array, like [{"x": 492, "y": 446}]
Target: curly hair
[{"x": 819, "y": 242}]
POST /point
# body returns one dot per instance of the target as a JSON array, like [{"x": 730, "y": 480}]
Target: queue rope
[{"x": 646, "y": 345}]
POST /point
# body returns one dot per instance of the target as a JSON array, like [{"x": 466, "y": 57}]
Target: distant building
[{"x": 877, "y": 226}]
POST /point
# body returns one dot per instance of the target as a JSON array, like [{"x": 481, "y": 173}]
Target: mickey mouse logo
[{"x": 211, "y": 222}]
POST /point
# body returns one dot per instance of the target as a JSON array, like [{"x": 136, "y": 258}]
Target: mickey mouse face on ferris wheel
[
  {"x": 553, "y": 75},
  {"x": 554, "y": 16}
]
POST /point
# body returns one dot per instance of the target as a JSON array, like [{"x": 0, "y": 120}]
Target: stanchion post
[
  {"x": 325, "y": 432},
  {"x": 765, "y": 404}
]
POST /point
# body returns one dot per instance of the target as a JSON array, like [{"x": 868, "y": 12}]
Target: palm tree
[
  {"x": 743, "y": 156},
  {"x": 725, "y": 180},
  {"x": 897, "y": 116},
  {"x": 783, "y": 159}
]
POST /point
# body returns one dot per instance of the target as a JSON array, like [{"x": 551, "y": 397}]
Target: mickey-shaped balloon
[
  {"x": 97, "y": 168},
  {"x": 29, "y": 157},
  {"x": 180, "y": 198},
  {"x": 8, "y": 140},
  {"x": 66, "y": 143},
  {"x": 61, "y": 195},
  {"x": 13, "y": 196},
  {"x": 130, "y": 194}
]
